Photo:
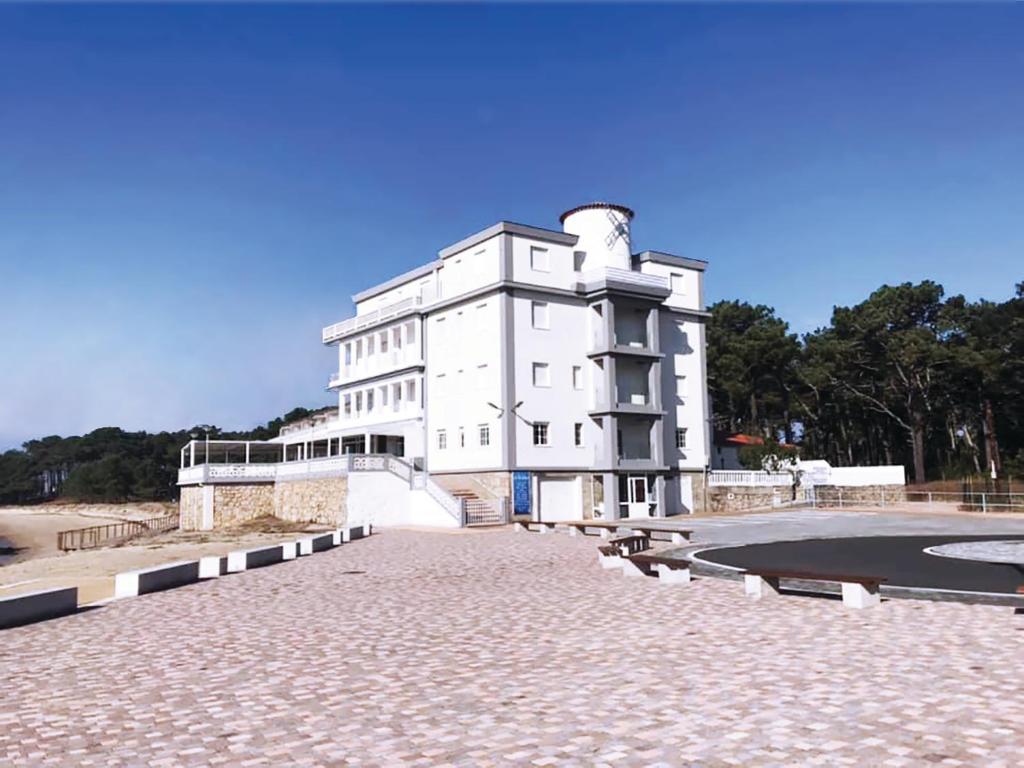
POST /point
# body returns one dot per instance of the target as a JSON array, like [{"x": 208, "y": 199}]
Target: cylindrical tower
[{"x": 603, "y": 231}]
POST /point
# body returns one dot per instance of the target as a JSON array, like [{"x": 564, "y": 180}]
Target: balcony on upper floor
[
  {"x": 623, "y": 281},
  {"x": 407, "y": 306},
  {"x": 378, "y": 363}
]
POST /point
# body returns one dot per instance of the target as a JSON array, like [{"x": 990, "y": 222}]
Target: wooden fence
[{"x": 100, "y": 535}]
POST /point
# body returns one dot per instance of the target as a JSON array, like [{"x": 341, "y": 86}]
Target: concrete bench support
[
  {"x": 609, "y": 561},
  {"x": 212, "y": 566},
  {"x": 670, "y": 575},
  {"x": 759, "y": 587},
  {"x": 519, "y": 527},
  {"x": 144, "y": 580},
  {"x": 304, "y": 546},
  {"x": 857, "y": 595},
  {"x": 289, "y": 550},
  {"x": 37, "y": 606},
  {"x": 629, "y": 568},
  {"x": 679, "y": 538},
  {"x": 336, "y": 538}
]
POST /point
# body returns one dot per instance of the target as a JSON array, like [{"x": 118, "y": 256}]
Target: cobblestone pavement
[{"x": 507, "y": 649}]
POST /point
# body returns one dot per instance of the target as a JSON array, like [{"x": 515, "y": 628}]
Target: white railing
[
  {"x": 378, "y": 363},
  {"x": 452, "y": 505},
  {"x": 749, "y": 478},
  {"x": 337, "y": 330},
  {"x": 625, "y": 276}
]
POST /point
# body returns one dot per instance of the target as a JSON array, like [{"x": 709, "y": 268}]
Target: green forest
[
  {"x": 908, "y": 376},
  {"x": 110, "y": 464}
]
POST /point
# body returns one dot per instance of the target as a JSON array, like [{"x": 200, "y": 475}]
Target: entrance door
[{"x": 638, "y": 505}]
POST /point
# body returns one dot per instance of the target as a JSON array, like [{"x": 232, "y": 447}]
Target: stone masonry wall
[
  {"x": 234, "y": 504},
  {"x": 190, "y": 508},
  {"x": 859, "y": 495},
  {"x": 743, "y": 497},
  {"x": 321, "y": 500}
]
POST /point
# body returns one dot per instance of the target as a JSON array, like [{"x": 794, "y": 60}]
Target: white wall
[
  {"x": 692, "y": 295},
  {"x": 562, "y": 346},
  {"x": 560, "y": 272},
  {"x": 424, "y": 286},
  {"x": 681, "y": 343},
  {"x": 383, "y": 499},
  {"x": 471, "y": 268},
  {"x": 464, "y": 349},
  {"x": 882, "y": 475}
]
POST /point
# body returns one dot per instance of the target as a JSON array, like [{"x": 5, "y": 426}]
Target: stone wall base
[
  {"x": 314, "y": 500},
  {"x": 859, "y": 495}
]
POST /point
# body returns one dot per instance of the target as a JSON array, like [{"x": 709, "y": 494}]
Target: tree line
[
  {"x": 908, "y": 376},
  {"x": 109, "y": 464}
]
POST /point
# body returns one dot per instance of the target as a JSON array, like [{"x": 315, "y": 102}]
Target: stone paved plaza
[{"x": 496, "y": 648}]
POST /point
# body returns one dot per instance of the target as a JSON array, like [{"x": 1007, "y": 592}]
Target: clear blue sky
[{"x": 188, "y": 193}]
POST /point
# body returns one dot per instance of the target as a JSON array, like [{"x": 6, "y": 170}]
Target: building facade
[{"x": 556, "y": 367}]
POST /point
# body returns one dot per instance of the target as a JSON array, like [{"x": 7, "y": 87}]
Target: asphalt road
[{"x": 900, "y": 559}]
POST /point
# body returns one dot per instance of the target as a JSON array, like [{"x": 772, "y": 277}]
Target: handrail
[{"x": 97, "y": 535}]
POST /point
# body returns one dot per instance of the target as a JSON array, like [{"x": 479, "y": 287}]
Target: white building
[{"x": 555, "y": 367}]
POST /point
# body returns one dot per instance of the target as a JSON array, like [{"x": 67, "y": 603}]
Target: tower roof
[{"x": 614, "y": 206}]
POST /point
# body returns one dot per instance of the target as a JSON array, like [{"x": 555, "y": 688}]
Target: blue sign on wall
[{"x": 520, "y": 493}]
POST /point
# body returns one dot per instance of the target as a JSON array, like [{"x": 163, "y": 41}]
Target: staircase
[{"x": 479, "y": 512}]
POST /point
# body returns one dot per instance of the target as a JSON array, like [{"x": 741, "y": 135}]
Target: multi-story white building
[{"x": 557, "y": 367}]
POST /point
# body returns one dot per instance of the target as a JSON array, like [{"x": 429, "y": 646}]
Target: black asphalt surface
[{"x": 899, "y": 559}]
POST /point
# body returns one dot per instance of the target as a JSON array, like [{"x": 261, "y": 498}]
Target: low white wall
[
  {"x": 381, "y": 499},
  {"x": 881, "y": 475}
]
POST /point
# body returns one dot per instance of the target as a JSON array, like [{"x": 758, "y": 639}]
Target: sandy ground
[
  {"x": 93, "y": 571},
  {"x": 29, "y": 532}
]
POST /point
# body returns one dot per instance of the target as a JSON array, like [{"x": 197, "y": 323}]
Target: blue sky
[{"x": 188, "y": 193}]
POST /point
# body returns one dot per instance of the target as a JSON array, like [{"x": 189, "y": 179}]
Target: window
[
  {"x": 540, "y": 314},
  {"x": 442, "y": 439},
  {"x": 462, "y": 437},
  {"x": 578, "y": 257},
  {"x": 485, "y": 435},
  {"x": 369, "y": 346},
  {"x": 541, "y": 375},
  {"x": 348, "y": 406},
  {"x": 539, "y": 259},
  {"x": 359, "y": 401},
  {"x": 677, "y": 283},
  {"x": 681, "y": 437},
  {"x": 369, "y": 401},
  {"x": 384, "y": 343},
  {"x": 348, "y": 354},
  {"x": 540, "y": 433},
  {"x": 680, "y": 387},
  {"x": 577, "y": 434},
  {"x": 384, "y": 396},
  {"x": 577, "y": 377}
]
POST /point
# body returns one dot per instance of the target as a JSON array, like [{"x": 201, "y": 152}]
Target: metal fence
[
  {"x": 101, "y": 535},
  {"x": 920, "y": 501}
]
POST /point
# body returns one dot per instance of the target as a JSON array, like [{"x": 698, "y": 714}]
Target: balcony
[
  {"x": 400, "y": 411},
  {"x": 378, "y": 364},
  {"x": 611, "y": 278},
  {"x": 344, "y": 328}
]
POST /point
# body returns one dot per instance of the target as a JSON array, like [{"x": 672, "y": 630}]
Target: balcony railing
[
  {"x": 378, "y": 363},
  {"x": 625, "y": 276},
  {"x": 377, "y": 316}
]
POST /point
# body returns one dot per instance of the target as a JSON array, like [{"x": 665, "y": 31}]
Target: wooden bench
[
  {"x": 670, "y": 570},
  {"x": 616, "y": 552},
  {"x": 859, "y": 591}
]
